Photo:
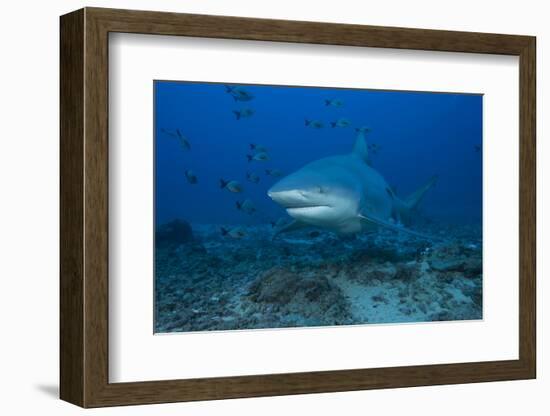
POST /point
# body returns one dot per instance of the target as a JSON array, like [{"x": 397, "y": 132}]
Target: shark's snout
[
  {"x": 287, "y": 197},
  {"x": 302, "y": 196},
  {"x": 301, "y": 204}
]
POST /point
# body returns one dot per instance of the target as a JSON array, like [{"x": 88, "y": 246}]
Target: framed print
[{"x": 260, "y": 207}]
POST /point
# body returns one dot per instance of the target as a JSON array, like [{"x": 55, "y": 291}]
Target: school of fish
[{"x": 325, "y": 182}]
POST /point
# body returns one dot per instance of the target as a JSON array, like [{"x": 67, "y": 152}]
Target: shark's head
[{"x": 318, "y": 194}]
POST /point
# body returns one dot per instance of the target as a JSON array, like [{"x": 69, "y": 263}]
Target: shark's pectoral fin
[
  {"x": 394, "y": 227},
  {"x": 293, "y": 226}
]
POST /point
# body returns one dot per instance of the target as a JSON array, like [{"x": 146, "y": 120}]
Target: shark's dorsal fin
[{"x": 360, "y": 147}]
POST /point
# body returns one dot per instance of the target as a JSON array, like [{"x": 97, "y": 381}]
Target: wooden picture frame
[{"x": 84, "y": 207}]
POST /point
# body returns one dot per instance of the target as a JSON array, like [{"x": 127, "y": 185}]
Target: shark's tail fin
[{"x": 412, "y": 201}]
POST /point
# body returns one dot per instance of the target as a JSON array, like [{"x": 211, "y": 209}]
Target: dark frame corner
[{"x": 84, "y": 207}]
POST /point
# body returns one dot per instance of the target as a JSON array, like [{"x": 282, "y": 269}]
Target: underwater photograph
[{"x": 289, "y": 206}]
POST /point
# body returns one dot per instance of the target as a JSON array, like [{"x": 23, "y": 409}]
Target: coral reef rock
[
  {"x": 174, "y": 233},
  {"x": 314, "y": 297},
  {"x": 207, "y": 281}
]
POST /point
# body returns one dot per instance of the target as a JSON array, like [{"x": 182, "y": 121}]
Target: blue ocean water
[
  {"x": 419, "y": 133},
  {"x": 218, "y": 267}
]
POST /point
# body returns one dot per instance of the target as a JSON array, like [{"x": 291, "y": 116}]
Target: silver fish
[
  {"x": 238, "y": 93},
  {"x": 246, "y": 206},
  {"x": 257, "y": 147},
  {"x": 191, "y": 177},
  {"x": 244, "y": 113},
  {"x": 180, "y": 137},
  {"x": 260, "y": 157},
  {"x": 341, "y": 122},
  {"x": 231, "y": 186},
  {"x": 236, "y": 233},
  {"x": 273, "y": 172},
  {"x": 279, "y": 223},
  {"x": 252, "y": 177},
  {"x": 374, "y": 148},
  {"x": 362, "y": 129},
  {"x": 334, "y": 103},
  {"x": 315, "y": 124}
]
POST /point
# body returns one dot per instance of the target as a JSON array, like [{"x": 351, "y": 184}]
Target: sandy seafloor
[{"x": 215, "y": 282}]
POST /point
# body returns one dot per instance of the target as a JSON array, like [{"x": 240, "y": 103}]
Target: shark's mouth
[{"x": 306, "y": 209}]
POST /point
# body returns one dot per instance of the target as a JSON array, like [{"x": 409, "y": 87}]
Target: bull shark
[{"x": 346, "y": 195}]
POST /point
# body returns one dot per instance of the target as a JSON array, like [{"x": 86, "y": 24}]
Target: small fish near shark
[
  {"x": 191, "y": 177},
  {"x": 257, "y": 147},
  {"x": 345, "y": 195},
  {"x": 341, "y": 122},
  {"x": 334, "y": 103},
  {"x": 260, "y": 157},
  {"x": 246, "y": 206},
  {"x": 244, "y": 113},
  {"x": 279, "y": 223},
  {"x": 184, "y": 142},
  {"x": 374, "y": 147},
  {"x": 238, "y": 93},
  {"x": 276, "y": 173},
  {"x": 231, "y": 186},
  {"x": 252, "y": 177},
  {"x": 314, "y": 124},
  {"x": 236, "y": 233}
]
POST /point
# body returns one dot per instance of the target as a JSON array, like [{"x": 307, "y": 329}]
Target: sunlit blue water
[{"x": 419, "y": 134}]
